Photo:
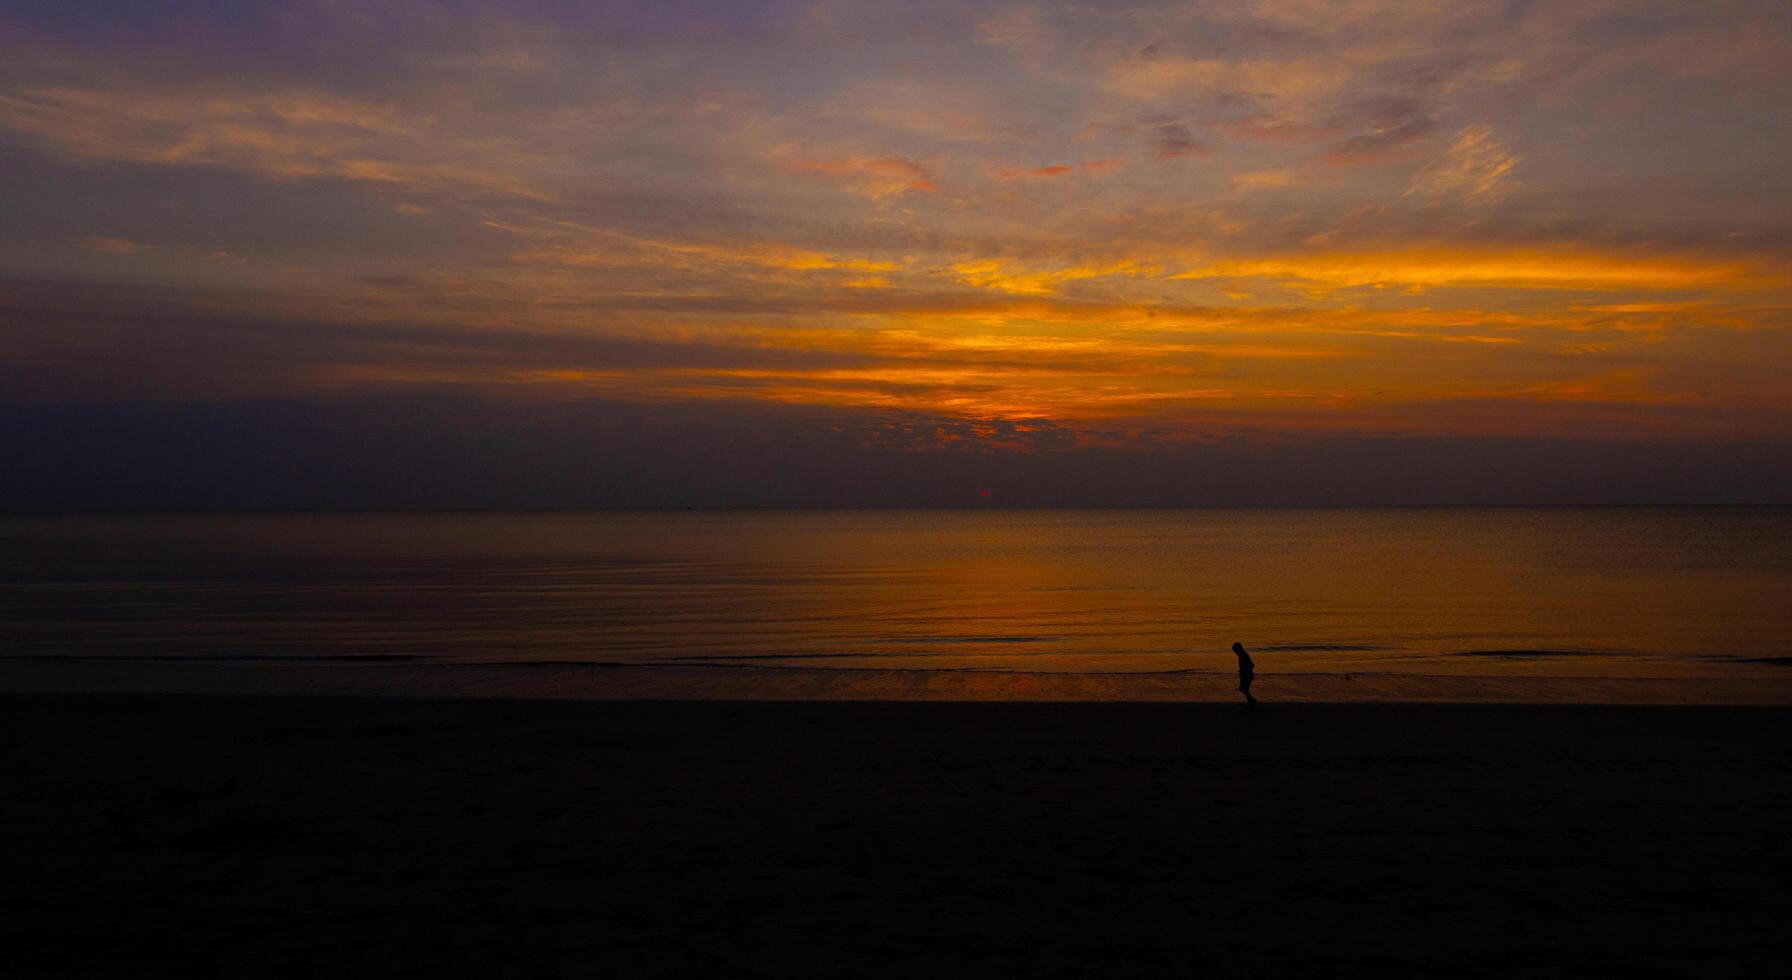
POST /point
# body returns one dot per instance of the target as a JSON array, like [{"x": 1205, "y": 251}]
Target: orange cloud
[
  {"x": 1022, "y": 173},
  {"x": 1010, "y": 277},
  {"x": 1537, "y": 269},
  {"x": 876, "y": 177},
  {"x": 1054, "y": 170},
  {"x": 567, "y": 243},
  {"x": 1260, "y": 179},
  {"x": 1476, "y": 167}
]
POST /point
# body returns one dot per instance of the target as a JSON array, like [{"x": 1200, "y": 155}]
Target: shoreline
[{"x": 613, "y": 682}]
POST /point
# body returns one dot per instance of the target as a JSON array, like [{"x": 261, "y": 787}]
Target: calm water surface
[{"x": 1604, "y": 592}]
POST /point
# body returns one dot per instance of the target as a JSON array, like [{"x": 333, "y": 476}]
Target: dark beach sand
[{"x": 196, "y": 836}]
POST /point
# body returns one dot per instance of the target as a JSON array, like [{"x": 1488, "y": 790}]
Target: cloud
[
  {"x": 292, "y": 134},
  {"x": 849, "y": 204},
  {"x": 1155, "y": 77},
  {"x": 111, "y": 245},
  {"x": 1017, "y": 173},
  {"x": 1383, "y": 126},
  {"x": 1013, "y": 347},
  {"x": 1264, "y": 127},
  {"x": 1009, "y": 277},
  {"x": 1171, "y": 140},
  {"x": 1055, "y": 170},
  {"x": 1262, "y": 179},
  {"x": 561, "y": 245},
  {"x": 439, "y": 449},
  {"x": 1476, "y": 167},
  {"x": 875, "y": 177},
  {"x": 1542, "y": 269}
]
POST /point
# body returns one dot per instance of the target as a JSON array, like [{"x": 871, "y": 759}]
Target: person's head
[{"x": 1238, "y": 648}]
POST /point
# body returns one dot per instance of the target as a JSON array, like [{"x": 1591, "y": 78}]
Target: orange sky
[{"x": 1190, "y": 220}]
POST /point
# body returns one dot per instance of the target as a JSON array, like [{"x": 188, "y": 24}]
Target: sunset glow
[{"x": 1191, "y": 221}]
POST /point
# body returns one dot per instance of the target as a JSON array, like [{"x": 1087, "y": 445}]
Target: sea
[{"x": 589, "y": 603}]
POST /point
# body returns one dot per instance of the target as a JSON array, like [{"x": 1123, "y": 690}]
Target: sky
[{"x": 638, "y": 253}]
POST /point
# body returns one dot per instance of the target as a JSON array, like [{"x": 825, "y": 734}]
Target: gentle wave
[{"x": 1403, "y": 591}]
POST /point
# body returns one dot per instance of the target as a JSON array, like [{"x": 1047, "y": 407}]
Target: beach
[
  {"x": 162, "y": 835},
  {"x": 745, "y": 488}
]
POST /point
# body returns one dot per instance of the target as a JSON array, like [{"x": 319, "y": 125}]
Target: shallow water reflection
[{"x": 1605, "y": 592}]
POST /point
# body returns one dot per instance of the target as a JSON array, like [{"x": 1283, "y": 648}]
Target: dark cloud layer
[{"x": 450, "y": 451}]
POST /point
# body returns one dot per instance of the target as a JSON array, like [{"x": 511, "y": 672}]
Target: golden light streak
[
  {"x": 1005, "y": 276},
  {"x": 1508, "y": 270}
]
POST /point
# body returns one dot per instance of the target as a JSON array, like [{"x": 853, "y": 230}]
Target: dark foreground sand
[{"x": 168, "y": 836}]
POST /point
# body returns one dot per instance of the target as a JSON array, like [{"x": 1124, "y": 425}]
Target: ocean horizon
[{"x": 893, "y": 603}]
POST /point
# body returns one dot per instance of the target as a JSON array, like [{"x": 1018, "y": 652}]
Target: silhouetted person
[{"x": 1247, "y": 671}]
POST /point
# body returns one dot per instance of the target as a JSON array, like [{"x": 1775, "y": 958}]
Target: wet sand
[
  {"x": 314, "y": 837},
  {"x": 586, "y": 681}
]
